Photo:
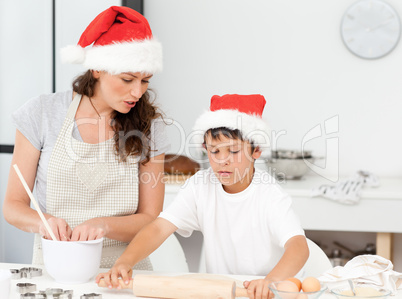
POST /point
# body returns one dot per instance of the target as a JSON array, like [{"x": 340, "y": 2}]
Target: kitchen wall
[
  {"x": 292, "y": 53},
  {"x": 68, "y": 31}
]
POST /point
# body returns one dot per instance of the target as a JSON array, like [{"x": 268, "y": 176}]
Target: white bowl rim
[{"x": 75, "y": 242}]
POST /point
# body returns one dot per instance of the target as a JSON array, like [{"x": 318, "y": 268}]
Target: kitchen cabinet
[{"x": 377, "y": 211}]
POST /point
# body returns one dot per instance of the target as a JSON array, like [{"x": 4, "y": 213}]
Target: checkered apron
[{"x": 85, "y": 181}]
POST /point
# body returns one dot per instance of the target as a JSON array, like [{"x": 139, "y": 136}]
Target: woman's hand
[
  {"x": 60, "y": 228},
  {"x": 91, "y": 229},
  {"x": 111, "y": 278},
  {"x": 258, "y": 289}
]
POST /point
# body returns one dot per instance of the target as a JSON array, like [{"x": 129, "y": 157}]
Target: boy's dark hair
[{"x": 216, "y": 134}]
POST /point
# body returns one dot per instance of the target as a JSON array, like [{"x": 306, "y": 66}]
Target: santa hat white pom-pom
[{"x": 72, "y": 54}]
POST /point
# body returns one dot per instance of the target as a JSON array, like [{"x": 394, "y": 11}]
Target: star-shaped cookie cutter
[{"x": 27, "y": 272}]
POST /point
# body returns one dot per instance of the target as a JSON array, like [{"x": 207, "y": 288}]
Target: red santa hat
[
  {"x": 121, "y": 40},
  {"x": 233, "y": 111}
]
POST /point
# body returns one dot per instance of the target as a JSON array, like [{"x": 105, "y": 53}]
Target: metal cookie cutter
[
  {"x": 52, "y": 291},
  {"x": 30, "y": 272},
  {"x": 63, "y": 296},
  {"x": 24, "y": 288},
  {"x": 33, "y": 296},
  {"x": 15, "y": 274},
  {"x": 59, "y": 296},
  {"x": 57, "y": 293},
  {"x": 91, "y": 296}
]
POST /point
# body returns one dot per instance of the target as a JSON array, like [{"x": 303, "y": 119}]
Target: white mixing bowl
[{"x": 72, "y": 262}]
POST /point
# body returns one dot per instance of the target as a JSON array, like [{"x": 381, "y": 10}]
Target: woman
[{"x": 95, "y": 154}]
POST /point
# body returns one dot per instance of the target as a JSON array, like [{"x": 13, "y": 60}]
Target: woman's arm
[
  {"x": 16, "y": 207},
  {"x": 124, "y": 228}
]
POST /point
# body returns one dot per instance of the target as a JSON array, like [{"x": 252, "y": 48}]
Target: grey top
[{"x": 40, "y": 121}]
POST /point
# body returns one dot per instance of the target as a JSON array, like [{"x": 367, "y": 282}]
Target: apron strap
[{"x": 72, "y": 109}]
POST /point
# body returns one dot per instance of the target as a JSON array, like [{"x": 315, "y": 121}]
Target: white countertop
[
  {"x": 45, "y": 281},
  {"x": 390, "y": 188}
]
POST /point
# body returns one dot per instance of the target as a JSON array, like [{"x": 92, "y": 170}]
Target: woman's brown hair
[{"x": 131, "y": 130}]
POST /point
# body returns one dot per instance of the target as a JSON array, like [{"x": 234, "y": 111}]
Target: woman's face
[{"x": 120, "y": 92}]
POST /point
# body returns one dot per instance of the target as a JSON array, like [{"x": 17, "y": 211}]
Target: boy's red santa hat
[
  {"x": 233, "y": 111},
  {"x": 121, "y": 40}
]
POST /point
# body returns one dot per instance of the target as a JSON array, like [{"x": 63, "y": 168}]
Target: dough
[{"x": 363, "y": 291}]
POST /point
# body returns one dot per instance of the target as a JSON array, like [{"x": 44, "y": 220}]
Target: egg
[
  {"x": 311, "y": 284},
  {"x": 287, "y": 286},
  {"x": 296, "y": 281},
  {"x": 289, "y": 289}
]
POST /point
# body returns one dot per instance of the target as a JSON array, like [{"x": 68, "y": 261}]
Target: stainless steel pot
[
  {"x": 337, "y": 259},
  {"x": 290, "y": 154},
  {"x": 289, "y": 164}
]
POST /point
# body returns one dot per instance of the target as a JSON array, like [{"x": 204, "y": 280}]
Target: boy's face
[{"x": 232, "y": 161}]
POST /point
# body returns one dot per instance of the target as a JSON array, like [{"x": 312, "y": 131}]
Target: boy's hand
[
  {"x": 258, "y": 289},
  {"x": 111, "y": 278}
]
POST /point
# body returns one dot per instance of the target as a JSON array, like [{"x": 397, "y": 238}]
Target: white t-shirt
[
  {"x": 40, "y": 120},
  {"x": 244, "y": 233}
]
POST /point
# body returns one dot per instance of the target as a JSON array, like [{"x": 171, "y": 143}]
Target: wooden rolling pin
[{"x": 172, "y": 287}]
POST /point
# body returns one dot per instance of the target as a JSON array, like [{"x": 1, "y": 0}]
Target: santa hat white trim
[
  {"x": 252, "y": 127},
  {"x": 137, "y": 56}
]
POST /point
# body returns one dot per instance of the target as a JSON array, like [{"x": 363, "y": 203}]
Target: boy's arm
[
  {"x": 144, "y": 243},
  {"x": 295, "y": 256}
]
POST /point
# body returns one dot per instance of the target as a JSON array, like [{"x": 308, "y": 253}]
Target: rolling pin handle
[{"x": 241, "y": 292}]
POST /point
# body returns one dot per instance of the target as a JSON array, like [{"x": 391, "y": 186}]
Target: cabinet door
[
  {"x": 25, "y": 72},
  {"x": 26, "y": 60},
  {"x": 25, "y": 57}
]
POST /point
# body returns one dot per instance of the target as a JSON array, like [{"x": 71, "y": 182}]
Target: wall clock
[{"x": 370, "y": 28}]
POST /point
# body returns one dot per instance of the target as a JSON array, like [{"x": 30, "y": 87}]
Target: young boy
[{"x": 247, "y": 221}]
